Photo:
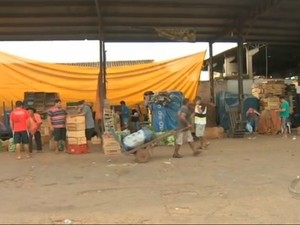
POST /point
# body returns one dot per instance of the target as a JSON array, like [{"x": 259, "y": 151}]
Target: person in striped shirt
[{"x": 57, "y": 117}]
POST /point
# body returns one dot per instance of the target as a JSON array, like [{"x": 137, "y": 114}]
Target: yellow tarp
[
  {"x": 129, "y": 83},
  {"x": 19, "y": 75},
  {"x": 73, "y": 83}
]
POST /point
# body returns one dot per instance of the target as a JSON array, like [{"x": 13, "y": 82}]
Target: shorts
[
  {"x": 89, "y": 133},
  {"x": 60, "y": 134},
  {"x": 125, "y": 122},
  {"x": 199, "y": 130},
  {"x": 21, "y": 137},
  {"x": 284, "y": 122},
  {"x": 184, "y": 135}
]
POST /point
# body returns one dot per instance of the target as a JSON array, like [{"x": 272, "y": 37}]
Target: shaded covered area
[
  {"x": 247, "y": 21},
  {"x": 277, "y": 61},
  {"x": 271, "y": 21}
]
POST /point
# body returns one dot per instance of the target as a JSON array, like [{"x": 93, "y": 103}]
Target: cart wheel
[{"x": 142, "y": 155}]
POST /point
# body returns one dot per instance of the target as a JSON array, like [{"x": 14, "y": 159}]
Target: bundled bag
[{"x": 249, "y": 127}]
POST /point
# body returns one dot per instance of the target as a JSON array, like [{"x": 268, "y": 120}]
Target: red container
[{"x": 77, "y": 149}]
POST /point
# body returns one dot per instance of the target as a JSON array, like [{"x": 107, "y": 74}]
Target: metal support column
[
  {"x": 240, "y": 73},
  {"x": 211, "y": 74},
  {"x": 101, "y": 79},
  {"x": 104, "y": 72},
  {"x": 101, "y": 76},
  {"x": 267, "y": 61}
]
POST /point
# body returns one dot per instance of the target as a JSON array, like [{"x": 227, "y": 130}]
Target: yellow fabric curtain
[
  {"x": 19, "y": 75},
  {"x": 129, "y": 83},
  {"x": 73, "y": 83}
]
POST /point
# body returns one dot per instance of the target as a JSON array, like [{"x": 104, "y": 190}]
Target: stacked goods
[
  {"x": 45, "y": 132},
  {"x": 164, "y": 107},
  {"x": 4, "y": 145},
  {"x": 214, "y": 132},
  {"x": 50, "y": 98},
  {"x": 268, "y": 88},
  {"x": 110, "y": 145},
  {"x": 168, "y": 141},
  {"x": 269, "y": 122},
  {"x": 108, "y": 119},
  {"x": 72, "y": 107},
  {"x": 96, "y": 140},
  {"x": 76, "y": 135},
  {"x": 270, "y": 103},
  {"x": 35, "y": 100},
  {"x": 41, "y": 101},
  {"x": 11, "y": 145},
  {"x": 140, "y": 137},
  {"x": 117, "y": 122}
]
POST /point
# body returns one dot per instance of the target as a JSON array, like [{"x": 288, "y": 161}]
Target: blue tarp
[
  {"x": 164, "y": 116},
  {"x": 228, "y": 99}
]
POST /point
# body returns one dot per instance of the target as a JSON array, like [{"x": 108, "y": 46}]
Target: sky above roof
[{"x": 88, "y": 51}]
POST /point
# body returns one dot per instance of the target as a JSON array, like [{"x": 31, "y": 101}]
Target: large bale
[
  {"x": 269, "y": 122},
  {"x": 214, "y": 132}
]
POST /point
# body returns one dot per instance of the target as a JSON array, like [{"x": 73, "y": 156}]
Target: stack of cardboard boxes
[
  {"x": 77, "y": 143},
  {"x": 110, "y": 145},
  {"x": 268, "y": 92}
]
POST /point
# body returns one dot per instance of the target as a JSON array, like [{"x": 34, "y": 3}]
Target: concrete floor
[{"x": 235, "y": 181}]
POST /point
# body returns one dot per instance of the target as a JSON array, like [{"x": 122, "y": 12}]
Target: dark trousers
[{"x": 38, "y": 141}]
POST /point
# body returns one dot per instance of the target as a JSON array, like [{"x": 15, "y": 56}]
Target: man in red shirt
[{"x": 19, "y": 123}]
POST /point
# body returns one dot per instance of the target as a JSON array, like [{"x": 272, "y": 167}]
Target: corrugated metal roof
[
  {"x": 110, "y": 63},
  {"x": 271, "y": 21}
]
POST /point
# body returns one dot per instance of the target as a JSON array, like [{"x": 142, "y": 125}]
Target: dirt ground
[{"x": 234, "y": 181}]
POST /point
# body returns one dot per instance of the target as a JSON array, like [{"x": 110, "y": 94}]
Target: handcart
[{"x": 143, "y": 152}]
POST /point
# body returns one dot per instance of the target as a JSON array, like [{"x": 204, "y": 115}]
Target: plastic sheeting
[
  {"x": 73, "y": 83},
  {"x": 19, "y": 75},
  {"x": 164, "y": 116},
  {"x": 228, "y": 99},
  {"x": 269, "y": 122},
  {"x": 131, "y": 82}
]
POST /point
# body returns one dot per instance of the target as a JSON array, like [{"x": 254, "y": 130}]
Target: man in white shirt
[{"x": 200, "y": 122}]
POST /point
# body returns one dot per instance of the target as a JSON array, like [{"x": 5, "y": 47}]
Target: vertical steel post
[
  {"x": 101, "y": 76},
  {"x": 211, "y": 74},
  {"x": 104, "y": 72},
  {"x": 100, "y": 80},
  {"x": 240, "y": 74},
  {"x": 267, "y": 61}
]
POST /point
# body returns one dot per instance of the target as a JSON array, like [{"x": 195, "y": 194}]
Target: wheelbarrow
[{"x": 143, "y": 152}]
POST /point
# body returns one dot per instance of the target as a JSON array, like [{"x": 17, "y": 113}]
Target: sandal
[
  {"x": 178, "y": 156},
  {"x": 195, "y": 153}
]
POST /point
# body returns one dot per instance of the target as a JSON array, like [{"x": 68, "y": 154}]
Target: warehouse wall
[{"x": 222, "y": 85}]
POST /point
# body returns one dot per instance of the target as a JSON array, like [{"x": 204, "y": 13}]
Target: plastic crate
[{"x": 77, "y": 149}]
